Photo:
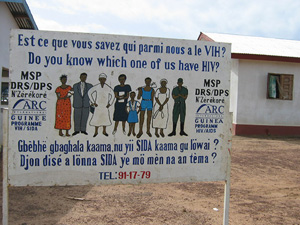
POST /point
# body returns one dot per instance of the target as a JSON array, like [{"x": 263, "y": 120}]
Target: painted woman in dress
[
  {"x": 102, "y": 97},
  {"x": 161, "y": 109},
  {"x": 63, "y": 107},
  {"x": 121, "y": 94}
]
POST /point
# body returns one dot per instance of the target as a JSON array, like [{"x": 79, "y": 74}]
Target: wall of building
[
  {"x": 234, "y": 88},
  {"x": 7, "y": 22},
  {"x": 270, "y": 116}
]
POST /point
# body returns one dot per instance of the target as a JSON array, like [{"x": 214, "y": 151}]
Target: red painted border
[
  {"x": 242, "y": 129},
  {"x": 265, "y": 57},
  {"x": 204, "y": 37}
]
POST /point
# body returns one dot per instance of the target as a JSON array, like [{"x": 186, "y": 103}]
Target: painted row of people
[{"x": 100, "y": 97}]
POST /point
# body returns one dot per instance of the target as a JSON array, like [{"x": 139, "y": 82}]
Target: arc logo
[
  {"x": 29, "y": 107},
  {"x": 210, "y": 111}
]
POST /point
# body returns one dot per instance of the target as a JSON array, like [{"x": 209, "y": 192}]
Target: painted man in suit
[{"x": 81, "y": 104}]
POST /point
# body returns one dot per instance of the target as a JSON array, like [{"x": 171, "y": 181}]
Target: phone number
[{"x": 134, "y": 175}]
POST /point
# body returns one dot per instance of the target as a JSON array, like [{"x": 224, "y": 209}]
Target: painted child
[{"x": 134, "y": 108}]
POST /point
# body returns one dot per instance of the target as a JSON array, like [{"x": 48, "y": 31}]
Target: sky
[{"x": 179, "y": 19}]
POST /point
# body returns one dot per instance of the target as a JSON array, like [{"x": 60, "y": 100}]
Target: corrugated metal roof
[
  {"x": 259, "y": 45},
  {"x": 21, "y": 12}
]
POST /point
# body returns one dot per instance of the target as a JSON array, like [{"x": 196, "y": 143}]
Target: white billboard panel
[{"x": 111, "y": 109}]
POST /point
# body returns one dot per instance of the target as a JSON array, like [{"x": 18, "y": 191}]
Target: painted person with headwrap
[
  {"x": 101, "y": 97},
  {"x": 161, "y": 109}
]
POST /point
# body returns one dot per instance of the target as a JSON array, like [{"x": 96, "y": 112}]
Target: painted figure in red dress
[{"x": 63, "y": 107}]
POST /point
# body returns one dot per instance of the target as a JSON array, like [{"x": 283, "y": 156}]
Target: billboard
[{"x": 111, "y": 109}]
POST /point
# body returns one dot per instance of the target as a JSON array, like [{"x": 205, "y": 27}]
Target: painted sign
[{"x": 111, "y": 109}]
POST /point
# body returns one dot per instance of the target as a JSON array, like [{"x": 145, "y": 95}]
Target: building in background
[
  {"x": 265, "y": 84},
  {"x": 265, "y": 75},
  {"x": 14, "y": 14}
]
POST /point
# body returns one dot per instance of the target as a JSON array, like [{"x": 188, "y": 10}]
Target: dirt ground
[{"x": 265, "y": 189}]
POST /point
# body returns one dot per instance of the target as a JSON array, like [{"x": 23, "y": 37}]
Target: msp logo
[
  {"x": 208, "y": 117},
  {"x": 28, "y": 114}
]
